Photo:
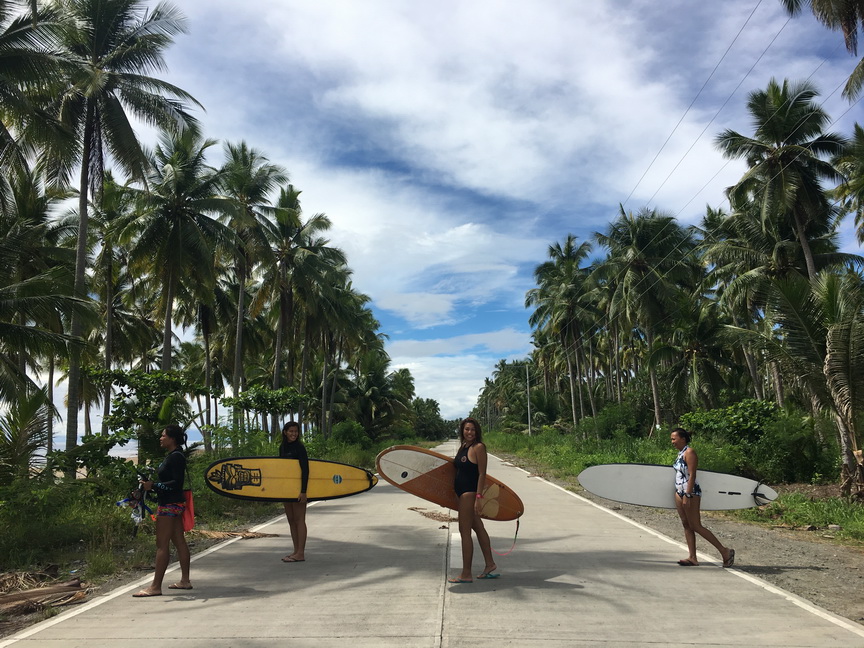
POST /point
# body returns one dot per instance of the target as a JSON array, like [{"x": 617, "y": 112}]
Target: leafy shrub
[
  {"x": 351, "y": 433},
  {"x": 229, "y": 442},
  {"x": 614, "y": 420},
  {"x": 724, "y": 458},
  {"x": 789, "y": 451},
  {"x": 743, "y": 421}
]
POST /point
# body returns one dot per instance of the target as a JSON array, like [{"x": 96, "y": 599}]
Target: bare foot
[
  {"x": 181, "y": 585},
  {"x": 146, "y": 593}
]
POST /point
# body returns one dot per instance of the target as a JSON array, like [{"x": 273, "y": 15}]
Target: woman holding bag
[{"x": 169, "y": 512}]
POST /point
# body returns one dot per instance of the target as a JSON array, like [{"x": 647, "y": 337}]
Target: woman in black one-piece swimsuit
[{"x": 469, "y": 484}]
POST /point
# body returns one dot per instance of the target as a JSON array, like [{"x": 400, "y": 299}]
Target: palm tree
[
  {"x": 27, "y": 67},
  {"x": 650, "y": 260},
  {"x": 851, "y": 191},
  {"x": 377, "y": 399},
  {"x": 23, "y": 435},
  {"x": 109, "y": 48},
  {"x": 786, "y": 161},
  {"x": 35, "y": 291},
  {"x": 176, "y": 234},
  {"x": 696, "y": 354},
  {"x": 561, "y": 310},
  {"x": 816, "y": 333},
  {"x": 300, "y": 260},
  {"x": 248, "y": 180},
  {"x": 845, "y": 15}
]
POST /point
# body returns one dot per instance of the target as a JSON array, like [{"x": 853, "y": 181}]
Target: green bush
[
  {"x": 724, "y": 458},
  {"x": 789, "y": 451},
  {"x": 613, "y": 421},
  {"x": 351, "y": 433},
  {"x": 742, "y": 422},
  {"x": 40, "y": 519}
]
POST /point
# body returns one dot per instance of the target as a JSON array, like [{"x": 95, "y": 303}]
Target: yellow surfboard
[{"x": 274, "y": 479}]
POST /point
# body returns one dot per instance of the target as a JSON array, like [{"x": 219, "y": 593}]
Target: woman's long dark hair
[
  {"x": 288, "y": 426},
  {"x": 684, "y": 434},
  {"x": 176, "y": 433},
  {"x": 476, "y": 423}
]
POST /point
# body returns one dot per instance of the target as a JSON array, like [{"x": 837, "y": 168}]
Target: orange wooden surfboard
[{"x": 430, "y": 475}]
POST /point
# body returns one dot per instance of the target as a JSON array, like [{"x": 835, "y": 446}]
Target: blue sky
[{"x": 452, "y": 142}]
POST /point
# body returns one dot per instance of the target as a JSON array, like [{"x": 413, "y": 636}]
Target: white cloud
[{"x": 497, "y": 343}]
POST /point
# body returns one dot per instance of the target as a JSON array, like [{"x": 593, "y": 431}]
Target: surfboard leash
[{"x": 515, "y": 535}]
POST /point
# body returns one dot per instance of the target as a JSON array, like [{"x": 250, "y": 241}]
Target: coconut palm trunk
[{"x": 76, "y": 328}]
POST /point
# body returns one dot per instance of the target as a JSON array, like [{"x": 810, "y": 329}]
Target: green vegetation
[{"x": 799, "y": 511}]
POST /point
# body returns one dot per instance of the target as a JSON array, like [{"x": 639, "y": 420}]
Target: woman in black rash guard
[
  {"x": 470, "y": 481},
  {"x": 169, "y": 512},
  {"x": 292, "y": 448}
]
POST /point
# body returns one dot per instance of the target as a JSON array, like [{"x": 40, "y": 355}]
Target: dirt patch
[
  {"x": 808, "y": 563},
  {"x": 433, "y": 515},
  {"x": 224, "y": 535}
]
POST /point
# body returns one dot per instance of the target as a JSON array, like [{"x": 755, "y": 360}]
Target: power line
[{"x": 698, "y": 94}]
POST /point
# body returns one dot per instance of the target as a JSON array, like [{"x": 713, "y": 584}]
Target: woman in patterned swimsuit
[
  {"x": 470, "y": 481},
  {"x": 688, "y": 498},
  {"x": 169, "y": 512}
]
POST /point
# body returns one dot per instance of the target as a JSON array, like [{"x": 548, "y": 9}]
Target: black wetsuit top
[
  {"x": 171, "y": 473},
  {"x": 467, "y": 473},
  {"x": 296, "y": 450}
]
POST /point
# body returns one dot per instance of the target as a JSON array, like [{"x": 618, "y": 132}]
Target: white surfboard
[{"x": 652, "y": 485}]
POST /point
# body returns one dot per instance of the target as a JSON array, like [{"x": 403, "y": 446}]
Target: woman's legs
[
  {"x": 164, "y": 533},
  {"x": 466, "y": 524},
  {"x": 183, "y": 557},
  {"x": 689, "y": 534},
  {"x": 469, "y": 521},
  {"x": 296, "y": 514},
  {"x": 485, "y": 546},
  {"x": 691, "y": 517}
]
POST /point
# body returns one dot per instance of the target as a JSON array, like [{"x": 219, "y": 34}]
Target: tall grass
[{"x": 797, "y": 510}]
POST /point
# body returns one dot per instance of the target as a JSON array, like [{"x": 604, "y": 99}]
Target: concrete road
[{"x": 376, "y": 571}]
